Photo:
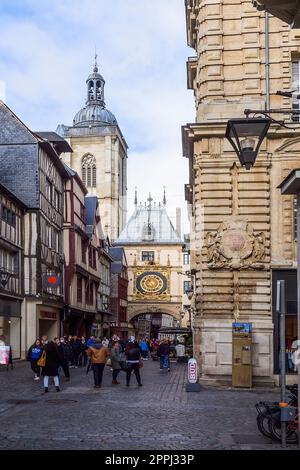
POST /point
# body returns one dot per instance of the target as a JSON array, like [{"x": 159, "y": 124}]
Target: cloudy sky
[{"x": 46, "y": 53}]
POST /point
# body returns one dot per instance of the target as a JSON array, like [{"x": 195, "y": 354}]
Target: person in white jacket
[{"x": 180, "y": 351}]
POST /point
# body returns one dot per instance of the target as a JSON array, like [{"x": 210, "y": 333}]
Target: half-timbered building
[
  {"x": 11, "y": 269},
  {"x": 32, "y": 170},
  {"x": 82, "y": 247}
]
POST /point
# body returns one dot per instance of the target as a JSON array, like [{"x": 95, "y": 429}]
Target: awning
[
  {"x": 286, "y": 10},
  {"x": 175, "y": 331}
]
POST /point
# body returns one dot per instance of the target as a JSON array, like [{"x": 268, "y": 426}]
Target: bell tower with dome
[{"x": 99, "y": 154}]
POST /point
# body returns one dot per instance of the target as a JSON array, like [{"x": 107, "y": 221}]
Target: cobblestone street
[{"x": 160, "y": 415}]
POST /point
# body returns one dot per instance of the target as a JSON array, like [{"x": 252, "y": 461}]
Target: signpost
[
  {"x": 281, "y": 311},
  {"x": 192, "y": 385}
]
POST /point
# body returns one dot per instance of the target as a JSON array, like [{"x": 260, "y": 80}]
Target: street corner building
[
  {"x": 33, "y": 172},
  {"x": 242, "y": 229},
  {"x": 99, "y": 155},
  {"x": 153, "y": 250}
]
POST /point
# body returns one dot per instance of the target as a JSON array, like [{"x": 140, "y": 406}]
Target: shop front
[
  {"x": 290, "y": 278},
  {"x": 48, "y": 321},
  {"x": 78, "y": 322},
  {"x": 10, "y": 325}
]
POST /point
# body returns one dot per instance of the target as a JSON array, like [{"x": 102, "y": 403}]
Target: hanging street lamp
[{"x": 246, "y": 136}]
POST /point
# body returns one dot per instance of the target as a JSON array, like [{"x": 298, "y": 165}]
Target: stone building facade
[
  {"x": 99, "y": 155},
  {"x": 241, "y": 227}
]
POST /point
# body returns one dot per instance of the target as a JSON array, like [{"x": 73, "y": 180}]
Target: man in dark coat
[
  {"x": 51, "y": 366},
  {"x": 163, "y": 353},
  {"x": 77, "y": 348},
  {"x": 65, "y": 352}
]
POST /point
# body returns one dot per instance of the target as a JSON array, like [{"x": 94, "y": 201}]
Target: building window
[
  {"x": 82, "y": 212},
  {"x": 295, "y": 217},
  {"x": 94, "y": 259},
  {"x": 90, "y": 257},
  {"x": 83, "y": 251},
  {"x": 187, "y": 285},
  {"x": 295, "y": 86},
  {"x": 186, "y": 258},
  {"x": 89, "y": 171},
  {"x": 56, "y": 199},
  {"x": 8, "y": 216},
  {"x": 90, "y": 293},
  {"x": 48, "y": 190},
  {"x": 147, "y": 255},
  {"x": 79, "y": 289}
]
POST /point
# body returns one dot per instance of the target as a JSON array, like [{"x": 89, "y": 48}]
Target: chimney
[{"x": 178, "y": 221}]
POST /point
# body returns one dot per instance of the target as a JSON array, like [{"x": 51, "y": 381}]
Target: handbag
[
  {"x": 141, "y": 364},
  {"x": 42, "y": 360},
  {"x": 108, "y": 362}
]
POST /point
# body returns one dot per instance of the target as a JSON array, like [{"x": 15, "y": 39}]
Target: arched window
[{"x": 89, "y": 171}]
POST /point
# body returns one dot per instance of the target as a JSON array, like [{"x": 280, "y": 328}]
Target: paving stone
[{"x": 161, "y": 415}]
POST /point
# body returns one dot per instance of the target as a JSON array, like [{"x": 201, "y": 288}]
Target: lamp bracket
[{"x": 267, "y": 113}]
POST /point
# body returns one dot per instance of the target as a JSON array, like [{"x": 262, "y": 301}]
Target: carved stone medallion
[{"x": 235, "y": 246}]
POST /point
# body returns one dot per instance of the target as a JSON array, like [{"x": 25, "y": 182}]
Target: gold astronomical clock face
[{"x": 151, "y": 283}]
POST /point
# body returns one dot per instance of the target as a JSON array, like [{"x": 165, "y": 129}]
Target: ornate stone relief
[{"x": 234, "y": 246}]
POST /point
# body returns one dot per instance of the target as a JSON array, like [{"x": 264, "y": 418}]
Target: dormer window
[{"x": 148, "y": 232}]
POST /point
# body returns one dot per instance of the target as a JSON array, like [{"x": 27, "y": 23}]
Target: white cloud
[{"x": 46, "y": 53}]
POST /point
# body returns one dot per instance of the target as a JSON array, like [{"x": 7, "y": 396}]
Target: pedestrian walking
[
  {"x": 51, "y": 366},
  {"x": 90, "y": 341},
  {"x": 64, "y": 352},
  {"x": 144, "y": 349},
  {"x": 133, "y": 356},
  {"x": 163, "y": 353},
  {"x": 82, "y": 360},
  {"x": 98, "y": 354},
  {"x": 33, "y": 355},
  {"x": 77, "y": 347},
  {"x": 180, "y": 352},
  {"x": 116, "y": 359}
]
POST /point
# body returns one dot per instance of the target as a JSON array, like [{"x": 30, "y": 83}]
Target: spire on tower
[
  {"x": 164, "y": 199},
  {"x": 96, "y": 63},
  {"x": 135, "y": 197},
  {"x": 150, "y": 200}
]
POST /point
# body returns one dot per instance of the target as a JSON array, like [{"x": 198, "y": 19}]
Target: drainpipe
[{"x": 267, "y": 47}]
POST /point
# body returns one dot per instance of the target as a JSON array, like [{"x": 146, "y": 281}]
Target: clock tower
[
  {"x": 153, "y": 251},
  {"x": 99, "y": 154}
]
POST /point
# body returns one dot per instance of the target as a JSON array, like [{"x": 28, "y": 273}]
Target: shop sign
[
  {"x": 192, "y": 371},
  {"x": 48, "y": 315},
  {"x": 4, "y": 355},
  {"x": 51, "y": 281}
]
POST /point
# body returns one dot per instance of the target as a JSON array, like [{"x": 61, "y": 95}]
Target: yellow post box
[{"x": 242, "y": 355}]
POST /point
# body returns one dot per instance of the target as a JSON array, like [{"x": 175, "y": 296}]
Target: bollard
[{"x": 192, "y": 385}]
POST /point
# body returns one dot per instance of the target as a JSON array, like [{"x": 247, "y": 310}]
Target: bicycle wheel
[
  {"x": 275, "y": 430},
  {"x": 263, "y": 423}
]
